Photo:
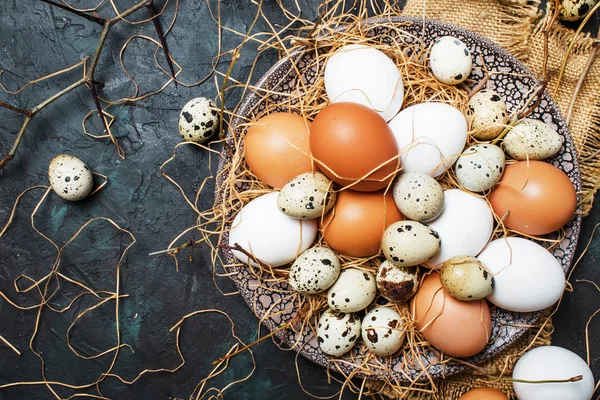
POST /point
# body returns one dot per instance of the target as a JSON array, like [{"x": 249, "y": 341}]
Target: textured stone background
[{"x": 35, "y": 40}]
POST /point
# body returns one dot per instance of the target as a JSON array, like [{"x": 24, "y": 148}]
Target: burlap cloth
[{"x": 518, "y": 27}]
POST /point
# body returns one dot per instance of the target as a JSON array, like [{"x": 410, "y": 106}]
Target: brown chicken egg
[
  {"x": 356, "y": 224},
  {"x": 457, "y": 328},
  {"x": 350, "y": 141},
  {"x": 483, "y": 394},
  {"x": 538, "y": 197},
  {"x": 277, "y": 148}
]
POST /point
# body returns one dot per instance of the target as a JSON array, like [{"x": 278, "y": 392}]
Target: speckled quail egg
[
  {"x": 382, "y": 331},
  {"x": 198, "y": 120},
  {"x": 315, "y": 270},
  {"x": 337, "y": 332},
  {"x": 70, "y": 178},
  {"x": 450, "y": 60},
  {"x": 408, "y": 243},
  {"x": 309, "y": 195},
  {"x": 480, "y": 167},
  {"x": 487, "y": 114},
  {"x": 353, "y": 291},
  {"x": 531, "y": 139},
  {"x": 465, "y": 278},
  {"x": 573, "y": 10},
  {"x": 418, "y": 196},
  {"x": 396, "y": 283}
]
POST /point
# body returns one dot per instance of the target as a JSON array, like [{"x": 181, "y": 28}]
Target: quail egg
[
  {"x": 70, "y": 178},
  {"x": 309, "y": 195},
  {"x": 480, "y": 167},
  {"x": 450, "y": 60},
  {"x": 531, "y": 139},
  {"x": 315, "y": 270},
  {"x": 397, "y": 284},
  {"x": 337, "y": 332},
  {"x": 418, "y": 196},
  {"x": 465, "y": 278},
  {"x": 487, "y": 114},
  {"x": 573, "y": 10},
  {"x": 198, "y": 120},
  {"x": 408, "y": 243},
  {"x": 382, "y": 331},
  {"x": 353, "y": 291}
]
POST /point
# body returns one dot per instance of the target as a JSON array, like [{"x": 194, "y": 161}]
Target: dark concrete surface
[{"x": 36, "y": 39}]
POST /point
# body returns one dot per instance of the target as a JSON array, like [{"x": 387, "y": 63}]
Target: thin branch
[
  {"x": 92, "y": 87},
  {"x": 161, "y": 38},
  {"x": 16, "y": 109},
  {"x": 12, "y": 151},
  {"x": 76, "y": 12}
]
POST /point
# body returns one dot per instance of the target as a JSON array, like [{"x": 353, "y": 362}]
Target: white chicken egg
[
  {"x": 361, "y": 74},
  {"x": 198, "y": 120},
  {"x": 382, "y": 330},
  {"x": 353, "y": 291},
  {"x": 527, "y": 276},
  {"x": 552, "y": 363},
  {"x": 464, "y": 227},
  {"x": 418, "y": 196},
  {"x": 430, "y": 137},
  {"x": 450, "y": 60},
  {"x": 268, "y": 234},
  {"x": 337, "y": 332},
  {"x": 315, "y": 270},
  {"x": 69, "y": 177},
  {"x": 480, "y": 167}
]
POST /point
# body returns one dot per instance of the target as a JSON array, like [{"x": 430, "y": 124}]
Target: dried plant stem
[
  {"x": 88, "y": 78},
  {"x": 161, "y": 38},
  {"x": 6, "y": 342},
  {"x": 76, "y": 12}
]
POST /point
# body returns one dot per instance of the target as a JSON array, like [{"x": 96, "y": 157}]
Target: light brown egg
[
  {"x": 457, "y": 328},
  {"x": 538, "y": 197},
  {"x": 277, "y": 148},
  {"x": 356, "y": 224},
  {"x": 483, "y": 394},
  {"x": 348, "y": 141}
]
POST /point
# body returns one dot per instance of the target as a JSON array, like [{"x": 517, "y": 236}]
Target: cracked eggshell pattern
[
  {"x": 418, "y": 196},
  {"x": 268, "y": 234},
  {"x": 409, "y": 243},
  {"x": 309, "y": 195},
  {"x": 396, "y": 283},
  {"x": 337, "y": 332},
  {"x": 450, "y": 60},
  {"x": 527, "y": 277},
  {"x": 513, "y": 87},
  {"x": 382, "y": 331},
  {"x": 466, "y": 279},
  {"x": 353, "y": 291},
  {"x": 465, "y": 226},
  {"x": 480, "y": 167},
  {"x": 487, "y": 113},
  {"x": 198, "y": 120},
  {"x": 430, "y": 137},
  {"x": 315, "y": 270},
  {"x": 531, "y": 139},
  {"x": 69, "y": 177},
  {"x": 364, "y": 75}
]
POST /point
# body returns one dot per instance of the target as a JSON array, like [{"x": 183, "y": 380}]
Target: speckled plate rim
[{"x": 251, "y": 101}]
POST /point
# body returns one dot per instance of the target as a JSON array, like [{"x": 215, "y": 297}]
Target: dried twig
[{"x": 161, "y": 38}]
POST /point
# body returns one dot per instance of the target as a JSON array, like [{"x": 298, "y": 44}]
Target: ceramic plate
[{"x": 507, "y": 326}]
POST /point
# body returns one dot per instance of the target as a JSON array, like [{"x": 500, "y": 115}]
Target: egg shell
[
  {"x": 382, "y": 331},
  {"x": 362, "y": 74},
  {"x": 573, "y": 10},
  {"x": 430, "y": 137},
  {"x": 464, "y": 227},
  {"x": 418, "y": 196},
  {"x": 69, "y": 177},
  {"x": 527, "y": 276},
  {"x": 409, "y": 243},
  {"x": 480, "y": 167},
  {"x": 397, "y": 284},
  {"x": 309, "y": 195},
  {"x": 487, "y": 114},
  {"x": 268, "y": 234},
  {"x": 539, "y": 197},
  {"x": 337, "y": 332},
  {"x": 532, "y": 139},
  {"x": 277, "y": 148},
  {"x": 483, "y": 394},
  {"x": 356, "y": 224},
  {"x": 315, "y": 270},
  {"x": 353, "y": 291},
  {"x": 457, "y": 328},
  {"x": 348, "y": 141},
  {"x": 466, "y": 279},
  {"x": 552, "y": 363},
  {"x": 450, "y": 60},
  {"x": 198, "y": 120}
]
